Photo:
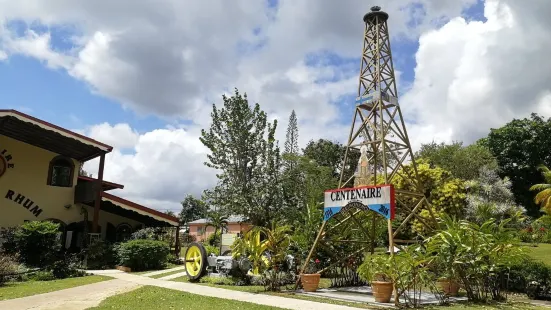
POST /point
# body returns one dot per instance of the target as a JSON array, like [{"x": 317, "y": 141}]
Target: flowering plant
[{"x": 312, "y": 267}]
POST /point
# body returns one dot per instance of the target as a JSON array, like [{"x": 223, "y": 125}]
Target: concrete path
[
  {"x": 173, "y": 276},
  {"x": 76, "y": 298},
  {"x": 261, "y": 299},
  {"x": 154, "y": 273}
]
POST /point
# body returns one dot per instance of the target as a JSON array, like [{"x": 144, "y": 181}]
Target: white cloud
[
  {"x": 174, "y": 58},
  {"x": 164, "y": 165},
  {"x": 473, "y": 76}
]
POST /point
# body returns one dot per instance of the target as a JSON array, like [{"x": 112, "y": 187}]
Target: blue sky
[{"x": 28, "y": 85}]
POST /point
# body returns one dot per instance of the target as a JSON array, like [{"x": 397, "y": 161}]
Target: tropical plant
[
  {"x": 377, "y": 267},
  {"x": 543, "y": 197},
  {"x": 251, "y": 247},
  {"x": 490, "y": 196},
  {"x": 218, "y": 220},
  {"x": 476, "y": 256}
]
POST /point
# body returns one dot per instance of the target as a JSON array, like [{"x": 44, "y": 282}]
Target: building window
[{"x": 61, "y": 172}]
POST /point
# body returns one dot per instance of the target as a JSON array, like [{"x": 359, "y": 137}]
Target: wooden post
[
  {"x": 177, "y": 245},
  {"x": 97, "y": 202}
]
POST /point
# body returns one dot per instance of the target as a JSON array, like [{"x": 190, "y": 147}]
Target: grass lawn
[
  {"x": 542, "y": 252},
  {"x": 150, "y": 297},
  {"x": 21, "y": 289}
]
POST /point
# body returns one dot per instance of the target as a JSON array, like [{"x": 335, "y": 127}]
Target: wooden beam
[{"x": 97, "y": 202}]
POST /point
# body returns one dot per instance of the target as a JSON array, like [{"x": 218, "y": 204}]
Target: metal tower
[{"x": 379, "y": 125}]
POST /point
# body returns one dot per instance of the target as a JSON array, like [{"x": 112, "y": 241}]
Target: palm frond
[{"x": 540, "y": 187}]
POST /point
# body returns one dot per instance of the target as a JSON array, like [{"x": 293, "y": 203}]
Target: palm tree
[
  {"x": 217, "y": 220},
  {"x": 543, "y": 197}
]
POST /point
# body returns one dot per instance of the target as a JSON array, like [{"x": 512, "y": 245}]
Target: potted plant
[
  {"x": 448, "y": 284},
  {"x": 450, "y": 287},
  {"x": 377, "y": 270},
  {"x": 310, "y": 279}
]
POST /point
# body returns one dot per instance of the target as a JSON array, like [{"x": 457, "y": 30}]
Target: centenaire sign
[{"x": 378, "y": 198}]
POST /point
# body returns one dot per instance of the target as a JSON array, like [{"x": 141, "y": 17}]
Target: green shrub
[
  {"x": 531, "y": 277},
  {"x": 143, "y": 254},
  {"x": 214, "y": 239},
  {"x": 8, "y": 245},
  {"x": 145, "y": 234},
  {"x": 42, "y": 275},
  {"x": 66, "y": 267},
  {"x": 218, "y": 280},
  {"x": 186, "y": 238},
  {"x": 37, "y": 243},
  {"x": 8, "y": 266},
  {"x": 212, "y": 249},
  {"x": 101, "y": 255}
]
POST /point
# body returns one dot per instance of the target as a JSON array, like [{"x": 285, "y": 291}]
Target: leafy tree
[
  {"x": 192, "y": 209},
  {"x": 543, "y": 197},
  {"x": 246, "y": 155},
  {"x": 446, "y": 194},
  {"x": 312, "y": 180},
  {"x": 520, "y": 146},
  {"x": 331, "y": 154},
  {"x": 170, "y": 212},
  {"x": 490, "y": 197},
  {"x": 462, "y": 162}
]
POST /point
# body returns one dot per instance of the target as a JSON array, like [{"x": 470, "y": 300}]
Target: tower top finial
[{"x": 371, "y": 17}]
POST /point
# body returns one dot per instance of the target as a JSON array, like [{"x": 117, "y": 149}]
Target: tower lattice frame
[{"x": 378, "y": 123}]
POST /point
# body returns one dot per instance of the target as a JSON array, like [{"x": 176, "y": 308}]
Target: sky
[{"x": 142, "y": 75}]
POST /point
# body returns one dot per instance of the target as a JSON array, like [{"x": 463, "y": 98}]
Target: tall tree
[
  {"x": 331, "y": 154},
  {"x": 246, "y": 156},
  {"x": 290, "y": 174},
  {"x": 192, "y": 209},
  {"x": 520, "y": 147},
  {"x": 464, "y": 162},
  {"x": 291, "y": 139}
]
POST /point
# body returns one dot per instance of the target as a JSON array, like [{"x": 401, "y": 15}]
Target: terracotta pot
[
  {"x": 310, "y": 282},
  {"x": 382, "y": 291},
  {"x": 450, "y": 287}
]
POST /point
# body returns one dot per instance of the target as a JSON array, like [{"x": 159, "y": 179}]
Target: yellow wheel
[{"x": 196, "y": 261}]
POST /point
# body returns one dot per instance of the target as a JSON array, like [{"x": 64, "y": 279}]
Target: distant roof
[{"x": 231, "y": 219}]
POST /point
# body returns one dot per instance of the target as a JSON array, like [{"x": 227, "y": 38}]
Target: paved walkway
[
  {"x": 174, "y": 276},
  {"x": 76, "y": 298},
  {"x": 261, "y": 299},
  {"x": 153, "y": 273},
  {"x": 91, "y": 295}
]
